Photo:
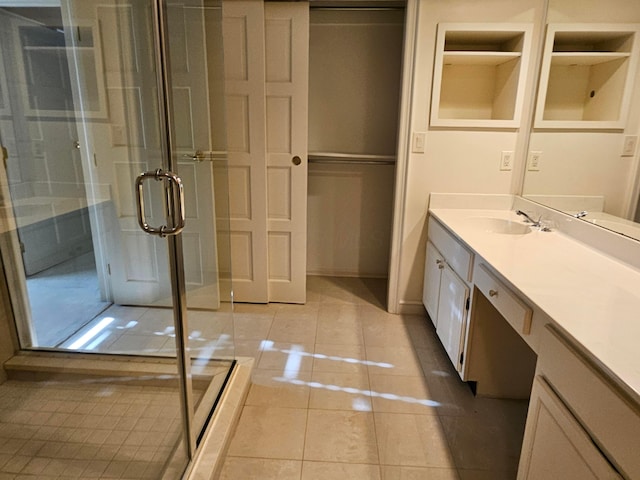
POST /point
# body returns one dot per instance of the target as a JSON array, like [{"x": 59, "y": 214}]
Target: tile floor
[
  {"x": 343, "y": 390},
  {"x": 63, "y": 430}
]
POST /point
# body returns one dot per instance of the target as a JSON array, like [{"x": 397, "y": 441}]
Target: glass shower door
[{"x": 88, "y": 102}]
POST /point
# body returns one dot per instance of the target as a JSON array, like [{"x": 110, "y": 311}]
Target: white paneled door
[
  {"x": 287, "y": 86},
  {"x": 126, "y": 141},
  {"x": 266, "y": 68},
  {"x": 243, "y": 27}
]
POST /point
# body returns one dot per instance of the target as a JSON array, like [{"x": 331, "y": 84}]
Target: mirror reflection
[{"x": 583, "y": 152}]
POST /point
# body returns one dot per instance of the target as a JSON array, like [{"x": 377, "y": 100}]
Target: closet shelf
[
  {"x": 586, "y": 58},
  {"x": 350, "y": 158},
  {"x": 479, "y": 58}
]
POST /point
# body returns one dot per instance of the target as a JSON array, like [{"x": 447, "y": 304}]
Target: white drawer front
[
  {"x": 459, "y": 258},
  {"x": 514, "y": 310}
]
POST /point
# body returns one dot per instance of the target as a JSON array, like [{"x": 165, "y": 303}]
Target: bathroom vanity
[{"x": 525, "y": 313}]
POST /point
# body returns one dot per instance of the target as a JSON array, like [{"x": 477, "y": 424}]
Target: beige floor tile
[
  {"x": 257, "y": 308},
  {"x": 399, "y": 394},
  {"x": 270, "y": 432},
  {"x": 340, "y": 358},
  {"x": 340, "y": 436},
  {"x": 340, "y": 391},
  {"x": 412, "y": 440},
  {"x": 351, "y": 471},
  {"x": 338, "y": 324},
  {"x": 269, "y": 388},
  {"x": 418, "y": 473},
  {"x": 289, "y": 358},
  {"x": 487, "y": 474},
  {"x": 237, "y": 468},
  {"x": 435, "y": 362},
  {"x": 482, "y": 442},
  {"x": 244, "y": 348},
  {"x": 386, "y": 334},
  {"x": 307, "y": 312},
  {"x": 292, "y": 329},
  {"x": 251, "y": 326},
  {"x": 393, "y": 361}
]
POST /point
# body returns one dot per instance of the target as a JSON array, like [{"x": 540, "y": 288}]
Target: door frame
[{"x": 395, "y": 303}]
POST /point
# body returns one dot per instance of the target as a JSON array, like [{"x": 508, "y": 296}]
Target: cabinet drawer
[
  {"x": 459, "y": 258},
  {"x": 514, "y": 310},
  {"x": 606, "y": 411}
]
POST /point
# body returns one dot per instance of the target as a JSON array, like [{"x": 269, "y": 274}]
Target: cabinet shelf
[
  {"x": 586, "y": 58},
  {"x": 586, "y": 76},
  {"x": 479, "y": 58},
  {"x": 479, "y": 74}
]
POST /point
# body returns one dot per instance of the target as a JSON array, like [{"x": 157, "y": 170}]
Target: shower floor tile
[{"x": 47, "y": 432}]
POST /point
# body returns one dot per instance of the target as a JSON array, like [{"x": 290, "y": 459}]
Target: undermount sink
[{"x": 500, "y": 225}]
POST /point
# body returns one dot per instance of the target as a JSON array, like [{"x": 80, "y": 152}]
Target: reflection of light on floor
[
  {"x": 267, "y": 346},
  {"x": 131, "y": 324},
  {"x": 91, "y": 334},
  {"x": 356, "y": 391},
  {"x": 292, "y": 367},
  {"x": 98, "y": 340}
]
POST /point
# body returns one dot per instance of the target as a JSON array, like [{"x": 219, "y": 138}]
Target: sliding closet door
[
  {"x": 287, "y": 80},
  {"x": 243, "y": 27},
  {"x": 266, "y": 69}
]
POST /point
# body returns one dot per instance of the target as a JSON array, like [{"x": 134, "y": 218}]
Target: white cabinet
[
  {"x": 432, "y": 272},
  {"x": 587, "y": 76},
  {"x": 551, "y": 428},
  {"x": 445, "y": 293},
  {"x": 581, "y": 424},
  {"x": 479, "y": 75},
  {"x": 452, "y": 315}
]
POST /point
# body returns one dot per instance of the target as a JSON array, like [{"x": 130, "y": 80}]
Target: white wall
[
  {"x": 354, "y": 78},
  {"x": 454, "y": 160}
]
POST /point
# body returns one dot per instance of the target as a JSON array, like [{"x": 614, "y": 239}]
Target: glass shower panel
[
  {"x": 81, "y": 117},
  {"x": 198, "y": 96}
]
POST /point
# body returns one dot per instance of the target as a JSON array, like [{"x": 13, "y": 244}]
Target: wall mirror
[{"x": 583, "y": 145}]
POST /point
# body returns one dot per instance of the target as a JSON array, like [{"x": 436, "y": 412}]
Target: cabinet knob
[
  {"x": 296, "y": 160},
  {"x": 493, "y": 293}
]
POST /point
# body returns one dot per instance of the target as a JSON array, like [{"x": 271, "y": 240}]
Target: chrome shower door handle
[{"x": 175, "y": 203}]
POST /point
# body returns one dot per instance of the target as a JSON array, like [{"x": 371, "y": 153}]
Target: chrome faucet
[
  {"x": 529, "y": 219},
  {"x": 581, "y": 214}
]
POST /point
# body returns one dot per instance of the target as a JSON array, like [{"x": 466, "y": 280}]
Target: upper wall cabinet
[
  {"x": 479, "y": 75},
  {"x": 587, "y": 76}
]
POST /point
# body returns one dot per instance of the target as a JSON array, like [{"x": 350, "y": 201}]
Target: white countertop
[{"x": 592, "y": 296}]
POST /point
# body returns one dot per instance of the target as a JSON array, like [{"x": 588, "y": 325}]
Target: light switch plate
[
  {"x": 506, "y": 160},
  {"x": 418, "y": 142},
  {"x": 533, "y": 162},
  {"x": 629, "y": 146}
]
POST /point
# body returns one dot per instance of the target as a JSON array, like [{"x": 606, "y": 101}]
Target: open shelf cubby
[
  {"x": 586, "y": 76},
  {"x": 479, "y": 74}
]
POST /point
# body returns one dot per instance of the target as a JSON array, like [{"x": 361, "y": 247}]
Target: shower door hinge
[
  {"x": 108, "y": 268},
  {"x": 22, "y": 249}
]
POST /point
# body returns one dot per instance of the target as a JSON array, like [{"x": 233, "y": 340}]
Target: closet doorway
[{"x": 355, "y": 70}]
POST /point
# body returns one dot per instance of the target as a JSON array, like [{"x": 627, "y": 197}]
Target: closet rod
[
  {"x": 359, "y": 9},
  {"x": 357, "y": 5},
  {"x": 351, "y": 159}
]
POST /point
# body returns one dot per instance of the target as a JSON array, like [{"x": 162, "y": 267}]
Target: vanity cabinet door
[
  {"x": 452, "y": 312},
  {"x": 431, "y": 288},
  {"x": 555, "y": 444}
]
